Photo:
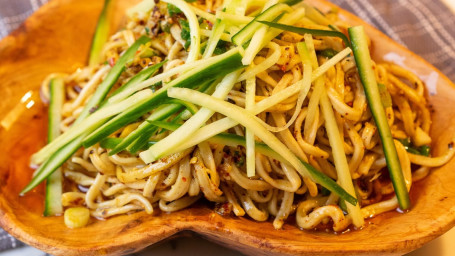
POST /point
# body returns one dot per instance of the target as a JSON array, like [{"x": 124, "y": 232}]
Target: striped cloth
[{"x": 426, "y": 27}]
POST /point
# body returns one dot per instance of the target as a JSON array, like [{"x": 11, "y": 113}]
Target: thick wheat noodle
[{"x": 122, "y": 183}]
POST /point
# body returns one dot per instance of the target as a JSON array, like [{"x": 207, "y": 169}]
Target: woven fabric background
[{"x": 426, "y": 27}]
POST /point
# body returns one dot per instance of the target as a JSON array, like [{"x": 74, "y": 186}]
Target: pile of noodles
[{"x": 122, "y": 183}]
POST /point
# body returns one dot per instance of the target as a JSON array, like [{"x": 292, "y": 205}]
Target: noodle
[{"x": 121, "y": 183}]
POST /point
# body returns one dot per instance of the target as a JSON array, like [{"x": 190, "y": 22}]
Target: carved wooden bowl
[{"x": 57, "y": 38}]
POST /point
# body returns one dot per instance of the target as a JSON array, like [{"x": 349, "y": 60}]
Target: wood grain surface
[{"x": 57, "y": 38}]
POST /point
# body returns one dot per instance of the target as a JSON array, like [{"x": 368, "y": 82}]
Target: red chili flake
[
  {"x": 283, "y": 68},
  {"x": 184, "y": 179},
  {"x": 111, "y": 62},
  {"x": 349, "y": 104}
]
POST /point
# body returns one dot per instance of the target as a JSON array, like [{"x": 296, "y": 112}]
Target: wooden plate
[{"x": 57, "y": 38}]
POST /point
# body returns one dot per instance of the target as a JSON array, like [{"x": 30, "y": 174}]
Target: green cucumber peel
[
  {"x": 245, "y": 34},
  {"x": 111, "y": 143},
  {"x": 53, "y": 198},
  {"x": 112, "y": 77},
  {"x": 101, "y": 34},
  {"x": 139, "y": 77},
  {"x": 246, "y": 119},
  {"x": 163, "y": 112},
  {"x": 53, "y": 163},
  {"x": 422, "y": 150},
  {"x": 57, "y": 158},
  {"x": 191, "y": 79},
  {"x": 316, "y": 32},
  {"x": 236, "y": 140},
  {"x": 367, "y": 77},
  {"x": 137, "y": 139}
]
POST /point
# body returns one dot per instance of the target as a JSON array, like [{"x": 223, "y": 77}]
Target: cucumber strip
[
  {"x": 56, "y": 157},
  {"x": 203, "y": 14},
  {"x": 339, "y": 156},
  {"x": 246, "y": 119},
  {"x": 142, "y": 8},
  {"x": 136, "y": 139},
  {"x": 254, "y": 46},
  {"x": 138, "y": 78},
  {"x": 112, "y": 77},
  {"x": 292, "y": 2},
  {"x": 101, "y": 35},
  {"x": 233, "y": 18},
  {"x": 228, "y": 139},
  {"x": 308, "y": 55},
  {"x": 213, "y": 40},
  {"x": 91, "y": 123},
  {"x": 53, "y": 163},
  {"x": 249, "y": 29},
  {"x": 69, "y": 144},
  {"x": 198, "y": 65},
  {"x": 231, "y": 61},
  {"x": 250, "y": 96},
  {"x": 386, "y": 99},
  {"x": 225, "y": 124},
  {"x": 161, "y": 113},
  {"x": 287, "y": 19},
  {"x": 141, "y": 142},
  {"x": 316, "y": 32},
  {"x": 257, "y": 42},
  {"x": 367, "y": 76},
  {"x": 315, "y": 15},
  {"x": 195, "y": 34},
  {"x": 233, "y": 140},
  {"x": 53, "y": 201},
  {"x": 164, "y": 146},
  {"x": 111, "y": 143}
]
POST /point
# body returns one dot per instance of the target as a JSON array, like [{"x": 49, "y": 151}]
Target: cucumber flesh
[
  {"x": 368, "y": 79},
  {"x": 191, "y": 79},
  {"x": 53, "y": 198},
  {"x": 249, "y": 29},
  {"x": 57, "y": 158},
  {"x": 101, "y": 34},
  {"x": 110, "y": 79}
]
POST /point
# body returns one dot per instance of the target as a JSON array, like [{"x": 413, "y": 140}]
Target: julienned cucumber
[
  {"x": 71, "y": 143},
  {"x": 113, "y": 75},
  {"x": 249, "y": 29},
  {"x": 233, "y": 140},
  {"x": 316, "y": 32},
  {"x": 248, "y": 120},
  {"x": 95, "y": 100},
  {"x": 230, "y": 61},
  {"x": 101, "y": 35},
  {"x": 53, "y": 201},
  {"x": 159, "y": 114},
  {"x": 139, "y": 137},
  {"x": 56, "y": 158},
  {"x": 139, "y": 77},
  {"x": 367, "y": 76}
]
